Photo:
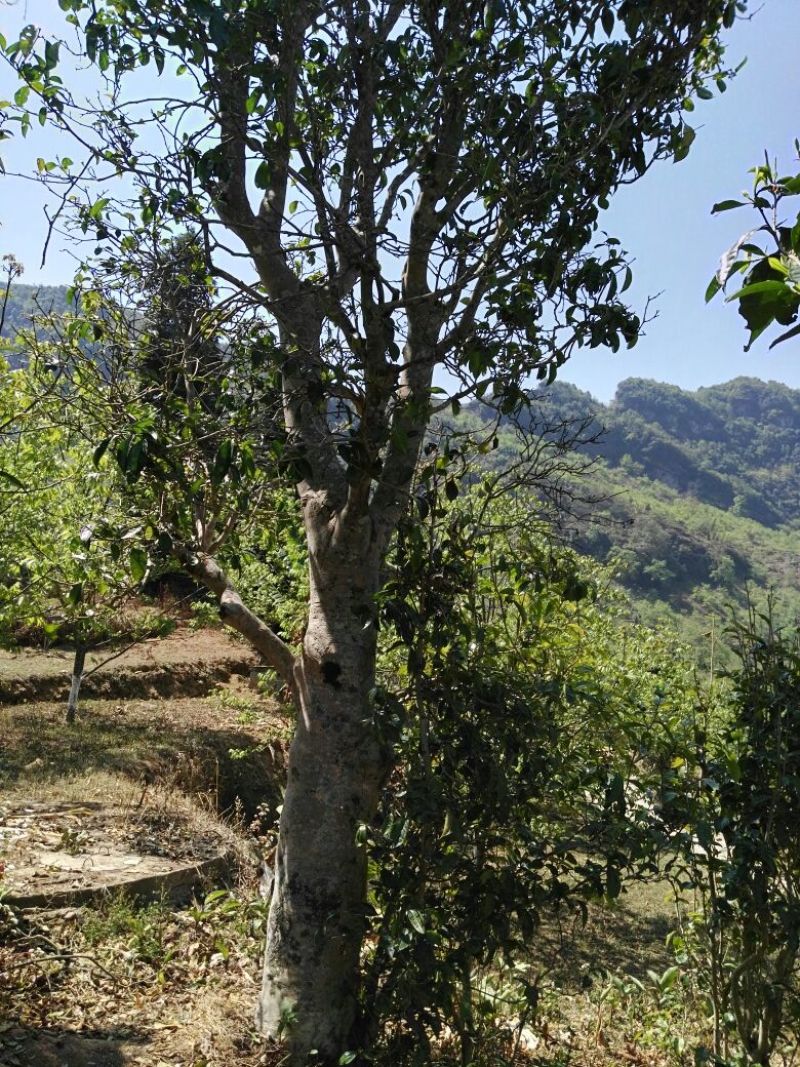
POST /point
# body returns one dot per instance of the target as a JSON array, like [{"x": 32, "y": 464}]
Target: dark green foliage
[
  {"x": 523, "y": 713},
  {"x": 735, "y": 797}
]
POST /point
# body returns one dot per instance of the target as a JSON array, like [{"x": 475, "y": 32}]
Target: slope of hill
[
  {"x": 26, "y": 301},
  {"x": 700, "y": 495}
]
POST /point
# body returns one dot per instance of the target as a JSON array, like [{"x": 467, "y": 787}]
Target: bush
[
  {"x": 737, "y": 797},
  {"x": 522, "y": 720}
]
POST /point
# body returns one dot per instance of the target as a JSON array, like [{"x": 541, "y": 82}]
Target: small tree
[
  {"x": 738, "y": 793},
  {"x": 413, "y": 186},
  {"x": 70, "y": 561}
]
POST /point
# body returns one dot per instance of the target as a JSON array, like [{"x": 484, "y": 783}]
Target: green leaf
[
  {"x": 51, "y": 49},
  {"x": 100, "y": 451},
  {"x": 713, "y": 288},
  {"x": 726, "y": 205},
  {"x": 347, "y": 1057},
  {"x": 794, "y": 332},
  {"x": 7, "y": 476},
  {"x": 771, "y": 287},
  {"x": 75, "y": 595},
  {"x": 262, "y": 176},
  {"x": 98, "y": 207},
  {"x": 417, "y": 920},
  {"x": 138, "y": 564},
  {"x": 685, "y": 142},
  {"x": 222, "y": 462}
]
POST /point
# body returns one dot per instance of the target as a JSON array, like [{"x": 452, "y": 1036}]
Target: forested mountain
[
  {"x": 26, "y": 301},
  {"x": 735, "y": 446},
  {"x": 699, "y": 494}
]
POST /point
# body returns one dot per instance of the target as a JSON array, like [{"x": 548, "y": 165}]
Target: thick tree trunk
[{"x": 336, "y": 767}]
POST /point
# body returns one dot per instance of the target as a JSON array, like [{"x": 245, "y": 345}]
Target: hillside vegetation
[
  {"x": 698, "y": 495},
  {"x": 27, "y": 301}
]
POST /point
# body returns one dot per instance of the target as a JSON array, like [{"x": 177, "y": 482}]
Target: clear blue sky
[{"x": 664, "y": 220}]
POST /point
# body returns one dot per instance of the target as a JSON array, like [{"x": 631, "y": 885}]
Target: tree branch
[{"x": 235, "y": 612}]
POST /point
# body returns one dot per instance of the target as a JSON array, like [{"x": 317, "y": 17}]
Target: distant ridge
[
  {"x": 702, "y": 494},
  {"x": 25, "y": 301},
  {"x": 735, "y": 446}
]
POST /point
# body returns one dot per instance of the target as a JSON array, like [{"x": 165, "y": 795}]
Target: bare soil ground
[
  {"x": 61, "y": 852},
  {"x": 125, "y": 981}
]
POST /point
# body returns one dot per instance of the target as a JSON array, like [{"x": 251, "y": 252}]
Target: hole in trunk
[{"x": 331, "y": 672}]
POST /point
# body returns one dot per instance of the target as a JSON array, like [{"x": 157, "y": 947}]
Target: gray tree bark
[{"x": 335, "y": 771}]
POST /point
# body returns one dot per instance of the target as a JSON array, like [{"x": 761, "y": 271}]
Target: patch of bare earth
[
  {"x": 141, "y": 782},
  {"x": 111, "y": 835}
]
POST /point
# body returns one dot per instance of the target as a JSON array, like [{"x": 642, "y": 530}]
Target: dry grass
[
  {"x": 215, "y": 748},
  {"x": 136, "y": 983}
]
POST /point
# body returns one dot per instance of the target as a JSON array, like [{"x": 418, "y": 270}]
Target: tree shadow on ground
[
  {"x": 626, "y": 938},
  {"x": 52, "y": 1047}
]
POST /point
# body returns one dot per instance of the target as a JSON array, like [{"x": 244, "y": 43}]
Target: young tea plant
[{"x": 740, "y": 808}]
